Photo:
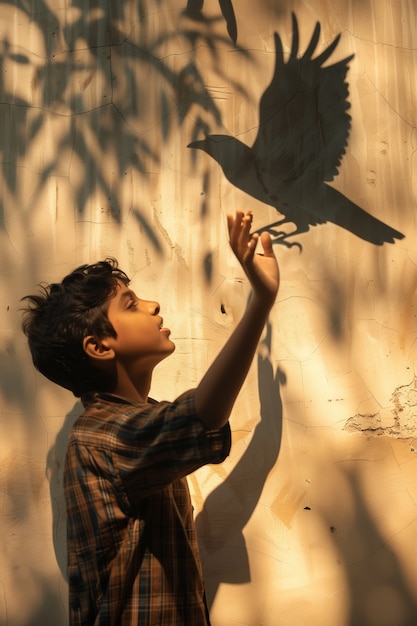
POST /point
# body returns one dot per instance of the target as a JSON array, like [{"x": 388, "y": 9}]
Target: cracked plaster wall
[{"x": 312, "y": 519}]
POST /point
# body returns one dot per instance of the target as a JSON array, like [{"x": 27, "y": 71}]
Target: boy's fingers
[
  {"x": 239, "y": 228},
  {"x": 234, "y": 225},
  {"x": 266, "y": 242},
  {"x": 245, "y": 226},
  {"x": 253, "y": 240}
]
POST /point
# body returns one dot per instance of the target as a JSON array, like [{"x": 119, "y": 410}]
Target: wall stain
[{"x": 399, "y": 422}]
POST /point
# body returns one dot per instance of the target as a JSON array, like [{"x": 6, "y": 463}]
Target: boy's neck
[{"x": 136, "y": 391}]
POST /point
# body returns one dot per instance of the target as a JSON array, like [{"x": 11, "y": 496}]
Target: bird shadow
[
  {"x": 303, "y": 132},
  {"x": 229, "y": 507}
]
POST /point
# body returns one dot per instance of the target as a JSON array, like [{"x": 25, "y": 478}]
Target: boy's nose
[{"x": 154, "y": 308}]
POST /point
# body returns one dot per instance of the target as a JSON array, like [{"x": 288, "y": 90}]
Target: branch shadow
[
  {"x": 379, "y": 592},
  {"x": 194, "y": 10},
  {"x": 92, "y": 77}
]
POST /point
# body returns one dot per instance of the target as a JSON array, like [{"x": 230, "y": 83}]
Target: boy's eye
[{"x": 132, "y": 304}]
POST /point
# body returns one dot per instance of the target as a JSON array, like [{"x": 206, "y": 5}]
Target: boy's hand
[
  {"x": 213, "y": 398},
  {"x": 261, "y": 269}
]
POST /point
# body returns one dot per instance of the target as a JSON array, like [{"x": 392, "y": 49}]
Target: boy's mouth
[{"x": 162, "y": 328}]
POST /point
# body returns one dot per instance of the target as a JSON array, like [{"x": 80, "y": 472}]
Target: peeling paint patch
[{"x": 399, "y": 422}]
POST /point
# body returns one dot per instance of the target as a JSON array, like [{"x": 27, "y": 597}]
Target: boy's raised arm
[{"x": 219, "y": 387}]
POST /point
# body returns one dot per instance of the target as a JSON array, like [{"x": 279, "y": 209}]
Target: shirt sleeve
[{"x": 163, "y": 442}]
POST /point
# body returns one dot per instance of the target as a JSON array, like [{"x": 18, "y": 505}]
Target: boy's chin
[{"x": 170, "y": 349}]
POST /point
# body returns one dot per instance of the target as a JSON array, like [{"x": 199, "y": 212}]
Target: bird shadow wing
[{"x": 303, "y": 115}]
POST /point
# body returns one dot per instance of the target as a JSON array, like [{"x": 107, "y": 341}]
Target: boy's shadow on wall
[
  {"x": 229, "y": 507},
  {"x": 55, "y": 473}
]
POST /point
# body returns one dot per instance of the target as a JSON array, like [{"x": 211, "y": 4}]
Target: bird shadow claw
[
  {"x": 288, "y": 244},
  {"x": 280, "y": 237}
]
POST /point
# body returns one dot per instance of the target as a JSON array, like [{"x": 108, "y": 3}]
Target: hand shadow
[{"x": 229, "y": 507}]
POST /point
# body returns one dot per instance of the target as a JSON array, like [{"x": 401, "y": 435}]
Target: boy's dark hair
[{"x": 58, "y": 318}]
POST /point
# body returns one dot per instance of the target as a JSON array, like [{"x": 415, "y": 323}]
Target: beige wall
[{"x": 312, "y": 519}]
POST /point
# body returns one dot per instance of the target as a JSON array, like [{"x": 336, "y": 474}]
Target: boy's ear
[{"x": 97, "y": 348}]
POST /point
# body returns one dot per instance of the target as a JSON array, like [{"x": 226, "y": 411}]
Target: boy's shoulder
[
  {"x": 103, "y": 414},
  {"x": 108, "y": 417}
]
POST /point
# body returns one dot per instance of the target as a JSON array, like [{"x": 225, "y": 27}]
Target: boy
[{"x": 132, "y": 549}]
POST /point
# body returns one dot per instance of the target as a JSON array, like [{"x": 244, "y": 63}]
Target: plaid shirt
[{"x": 132, "y": 549}]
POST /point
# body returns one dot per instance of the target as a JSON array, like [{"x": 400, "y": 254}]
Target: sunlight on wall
[{"x": 312, "y": 519}]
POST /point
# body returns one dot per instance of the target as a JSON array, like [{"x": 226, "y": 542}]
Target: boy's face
[{"x": 139, "y": 328}]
